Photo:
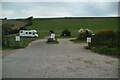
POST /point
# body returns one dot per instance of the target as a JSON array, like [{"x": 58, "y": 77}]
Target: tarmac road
[{"x": 63, "y": 60}]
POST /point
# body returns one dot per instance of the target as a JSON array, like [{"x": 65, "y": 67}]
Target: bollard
[{"x": 89, "y": 40}]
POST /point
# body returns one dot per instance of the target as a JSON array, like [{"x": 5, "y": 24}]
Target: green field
[
  {"x": 72, "y": 24},
  {"x": 44, "y": 25}
]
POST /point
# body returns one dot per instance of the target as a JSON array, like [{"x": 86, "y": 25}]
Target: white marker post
[
  {"x": 17, "y": 38},
  {"x": 88, "y": 40}
]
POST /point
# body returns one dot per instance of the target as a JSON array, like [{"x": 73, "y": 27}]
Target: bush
[
  {"x": 53, "y": 42},
  {"x": 106, "y": 50},
  {"x": 51, "y": 31},
  {"x": 66, "y": 33},
  {"x": 105, "y": 37},
  {"x": 88, "y": 47},
  {"x": 22, "y": 28},
  {"x": 105, "y": 32},
  {"x": 5, "y": 18},
  {"x": 78, "y": 41},
  {"x": 29, "y": 23},
  {"x": 14, "y": 31},
  {"x": 105, "y": 42},
  {"x": 83, "y": 34},
  {"x": 81, "y": 30},
  {"x": 30, "y": 18}
]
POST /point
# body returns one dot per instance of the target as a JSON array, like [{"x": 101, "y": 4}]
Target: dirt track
[{"x": 63, "y": 60}]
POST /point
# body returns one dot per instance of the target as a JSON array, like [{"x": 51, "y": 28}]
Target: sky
[{"x": 13, "y": 10}]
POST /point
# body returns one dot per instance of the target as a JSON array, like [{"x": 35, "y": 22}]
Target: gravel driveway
[{"x": 63, "y": 60}]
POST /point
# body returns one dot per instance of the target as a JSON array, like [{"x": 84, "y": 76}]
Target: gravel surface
[{"x": 63, "y": 60}]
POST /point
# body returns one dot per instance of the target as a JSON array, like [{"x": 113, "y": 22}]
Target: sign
[
  {"x": 17, "y": 38},
  {"x": 52, "y": 35},
  {"x": 88, "y": 39}
]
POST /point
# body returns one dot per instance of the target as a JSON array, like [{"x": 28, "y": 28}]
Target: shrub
[
  {"x": 29, "y": 23},
  {"x": 83, "y": 34},
  {"x": 22, "y": 28},
  {"x": 51, "y": 31},
  {"x": 30, "y": 18},
  {"x": 66, "y": 33},
  {"x": 106, "y": 50},
  {"x": 81, "y": 31},
  {"x": 106, "y": 42},
  {"x": 88, "y": 47},
  {"x": 5, "y": 18},
  {"x": 104, "y": 37},
  {"x": 53, "y": 42},
  {"x": 14, "y": 31},
  {"x": 105, "y": 32},
  {"x": 78, "y": 41},
  {"x": 6, "y": 28}
]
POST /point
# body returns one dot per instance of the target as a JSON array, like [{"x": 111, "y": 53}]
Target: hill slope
[{"x": 73, "y": 24}]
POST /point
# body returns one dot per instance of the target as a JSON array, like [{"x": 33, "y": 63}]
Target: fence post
[
  {"x": 17, "y": 39},
  {"x": 89, "y": 40}
]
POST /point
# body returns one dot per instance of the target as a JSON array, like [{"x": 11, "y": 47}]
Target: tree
[
  {"x": 22, "y": 28},
  {"x": 30, "y": 18},
  {"x": 66, "y": 33},
  {"x": 83, "y": 34},
  {"x": 6, "y": 28},
  {"x": 5, "y": 18},
  {"x": 29, "y": 21}
]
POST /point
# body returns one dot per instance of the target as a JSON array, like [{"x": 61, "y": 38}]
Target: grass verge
[
  {"x": 105, "y": 50},
  {"x": 54, "y": 42},
  {"x": 59, "y": 37},
  {"x": 78, "y": 41},
  {"x": 24, "y": 42}
]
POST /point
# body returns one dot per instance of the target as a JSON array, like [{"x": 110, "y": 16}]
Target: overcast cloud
[{"x": 59, "y": 9}]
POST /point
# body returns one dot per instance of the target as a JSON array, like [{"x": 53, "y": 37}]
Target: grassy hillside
[
  {"x": 44, "y": 25},
  {"x": 72, "y": 24},
  {"x": 17, "y": 24}
]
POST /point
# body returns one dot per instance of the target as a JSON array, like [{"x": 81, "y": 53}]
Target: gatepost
[
  {"x": 89, "y": 40},
  {"x": 17, "y": 39}
]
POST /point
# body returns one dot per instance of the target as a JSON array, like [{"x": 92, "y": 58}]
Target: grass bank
[
  {"x": 53, "y": 42},
  {"x": 12, "y": 44},
  {"x": 78, "y": 41},
  {"x": 105, "y": 50}
]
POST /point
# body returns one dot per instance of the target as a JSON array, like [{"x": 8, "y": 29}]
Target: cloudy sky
[{"x": 59, "y": 9}]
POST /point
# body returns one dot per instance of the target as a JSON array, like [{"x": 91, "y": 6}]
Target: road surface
[{"x": 63, "y": 60}]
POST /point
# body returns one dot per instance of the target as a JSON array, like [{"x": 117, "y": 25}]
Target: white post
[
  {"x": 17, "y": 38},
  {"x": 88, "y": 40}
]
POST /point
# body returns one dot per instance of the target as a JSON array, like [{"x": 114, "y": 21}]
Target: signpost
[
  {"x": 88, "y": 40},
  {"x": 17, "y": 38}
]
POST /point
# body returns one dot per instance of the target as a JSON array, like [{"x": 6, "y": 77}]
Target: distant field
[
  {"x": 73, "y": 24},
  {"x": 44, "y": 25}
]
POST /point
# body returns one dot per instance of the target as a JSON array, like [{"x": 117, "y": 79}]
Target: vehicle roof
[{"x": 29, "y": 30}]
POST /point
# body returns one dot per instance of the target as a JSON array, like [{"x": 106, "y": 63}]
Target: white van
[{"x": 28, "y": 33}]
